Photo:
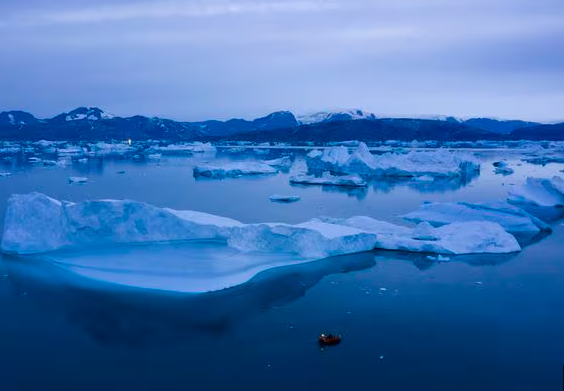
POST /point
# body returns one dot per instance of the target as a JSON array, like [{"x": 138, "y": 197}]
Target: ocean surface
[{"x": 476, "y": 323}]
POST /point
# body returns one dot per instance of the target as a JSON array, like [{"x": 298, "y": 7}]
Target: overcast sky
[{"x": 199, "y": 59}]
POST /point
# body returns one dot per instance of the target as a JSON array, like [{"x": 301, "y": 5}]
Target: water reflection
[
  {"x": 420, "y": 261},
  {"x": 115, "y": 315}
]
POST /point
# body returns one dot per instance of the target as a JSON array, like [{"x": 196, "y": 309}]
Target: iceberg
[
  {"x": 283, "y": 198},
  {"x": 5, "y": 174},
  {"x": 36, "y": 223},
  {"x": 328, "y": 179},
  {"x": 313, "y": 239},
  {"x": 183, "y": 148},
  {"x": 513, "y": 219},
  {"x": 539, "y": 192},
  {"x": 283, "y": 163},
  {"x": 78, "y": 179},
  {"x": 233, "y": 170},
  {"x": 501, "y": 167},
  {"x": 108, "y": 149},
  {"x": 71, "y": 150},
  {"x": 440, "y": 163},
  {"x": 471, "y": 237}
]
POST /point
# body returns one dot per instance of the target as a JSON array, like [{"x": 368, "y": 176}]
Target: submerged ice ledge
[{"x": 36, "y": 223}]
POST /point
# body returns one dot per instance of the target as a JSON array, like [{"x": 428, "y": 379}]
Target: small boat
[{"x": 329, "y": 339}]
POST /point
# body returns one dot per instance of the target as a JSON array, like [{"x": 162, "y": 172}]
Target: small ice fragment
[
  {"x": 381, "y": 357},
  {"x": 283, "y": 198},
  {"x": 383, "y": 289},
  {"x": 78, "y": 179},
  {"x": 479, "y": 283}
]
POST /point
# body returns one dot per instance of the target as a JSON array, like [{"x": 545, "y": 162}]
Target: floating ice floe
[
  {"x": 109, "y": 149},
  {"x": 283, "y": 198},
  {"x": 5, "y": 174},
  {"x": 71, "y": 150},
  {"x": 49, "y": 162},
  {"x": 282, "y": 163},
  {"x": 34, "y": 159},
  {"x": 78, "y": 179},
  {"x": 233, "y": 169},
  {"x": 501, "y": 167},
  {"x": 330, "y": 180},
  {"x": 440, "y": 163},
  {"x": 539, "y": 191},
  {"x": 513, "y": 219},
  {"x": 182, "y": 148},
  {"x": 471, "y": 237}
]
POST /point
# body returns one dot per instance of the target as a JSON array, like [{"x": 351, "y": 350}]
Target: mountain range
[{"x": 91, "y": 123}]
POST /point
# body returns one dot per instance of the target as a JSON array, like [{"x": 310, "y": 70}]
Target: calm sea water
[{"x": 477, "y": 323}]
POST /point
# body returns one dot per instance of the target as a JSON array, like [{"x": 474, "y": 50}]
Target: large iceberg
[
  {"x": 514, "y": 220},
  {"x": 233, "y": 169},
  {"x": 539, "y": 192},
  {"x": 440, "y": 163},
  {"x": 36, "y": 223}
]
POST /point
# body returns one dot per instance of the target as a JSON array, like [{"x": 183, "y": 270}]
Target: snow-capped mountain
[
  {"x": 84, "y": 113},
  {"x": 333, "y": 116},
  {"x": 17, "y": 118}
]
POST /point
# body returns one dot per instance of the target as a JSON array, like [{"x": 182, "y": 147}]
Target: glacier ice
[
  {"x": 36, "y": 223},
  {"x": 283, "y": 163},
  {"x": 233, "y": 169},
  {"x": 512, "y": 218},
  {"x": 328, "y": 179},
  {"x": 539, "y": 192},
  {"x": 183, "y": 148},
  {"x": 470, "y": 237},
  {"x": 440, "y": 163}
]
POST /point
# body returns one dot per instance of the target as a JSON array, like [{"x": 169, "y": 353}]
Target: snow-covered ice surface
[
  {"x": 539, "y": 192},
  {"x": 472, "y": 237},
  {"x": 511, "y": 218},
  {"x": 233, "y": 169},
  {"x": 329, "y": 180},
  {"x": 439, "y": 163}
]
